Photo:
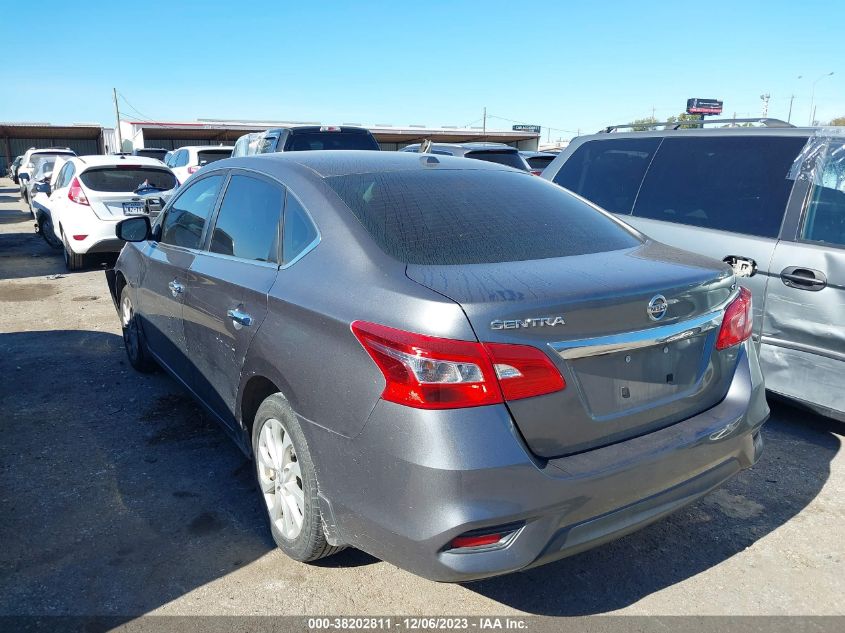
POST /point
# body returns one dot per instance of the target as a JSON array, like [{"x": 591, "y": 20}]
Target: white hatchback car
[
  {"x": 28, "y": 166},
  {"x": 189, "y": 159},
  {"x": 90, "y": 194}
]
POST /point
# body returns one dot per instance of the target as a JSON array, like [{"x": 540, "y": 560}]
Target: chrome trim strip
[
  {"x": 802, "y": 347},
  {"x": 625, "y": 341}
]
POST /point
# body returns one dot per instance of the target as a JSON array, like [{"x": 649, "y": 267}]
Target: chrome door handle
[
  {"x": 176, "y": 288},
  {"x": 239, "y": 317}
]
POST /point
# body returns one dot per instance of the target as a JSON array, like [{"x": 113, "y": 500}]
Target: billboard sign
[{"x": 704, "y": 106}]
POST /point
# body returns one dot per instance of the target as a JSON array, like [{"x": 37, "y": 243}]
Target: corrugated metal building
[
  {"x": 170, "y": 135},
  {"x": 16, "y": 138}
]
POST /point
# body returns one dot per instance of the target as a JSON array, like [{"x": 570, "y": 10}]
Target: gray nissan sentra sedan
[{"x": 450, "y": 364}]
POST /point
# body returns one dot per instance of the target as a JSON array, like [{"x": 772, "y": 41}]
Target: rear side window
[
  {"x": 185, "y": 220},
  {"x": 128, "y": 178},
  {"x": 299, "y": 232},
  {"x": 248, "y": 222},
  {"x": 511, "y": 159},
  {"x": 737, "y": 184},
  {"x": 211, "y": 155},
  {"x": 307, "y": 141},
  {"x": 608, "y": 173},
  {"x": 824, "y": 221},
  {"x": 475, "y": 216}
]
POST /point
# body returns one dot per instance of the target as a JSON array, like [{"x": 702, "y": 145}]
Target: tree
[
  {"x": 683, "y": 116},
  {"x": 840, "y": 120},
  {"x": 644, "y": 125}
]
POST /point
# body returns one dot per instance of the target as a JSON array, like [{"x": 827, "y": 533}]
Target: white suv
[
  {"x": 187, "y": 160},
  {"x": 90, "y": 194},
  {"x": 27, "y": 165}
]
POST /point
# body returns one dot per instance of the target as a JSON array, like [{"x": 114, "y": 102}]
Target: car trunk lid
[{"x": 627, "y": 372}]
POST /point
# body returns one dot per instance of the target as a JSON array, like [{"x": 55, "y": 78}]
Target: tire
[
  {"x": 45, "y": 227},
  {"x": 276, "y": 422},
  {"x": 133, "y": 336},
  {"x": 73, "y": 261}
]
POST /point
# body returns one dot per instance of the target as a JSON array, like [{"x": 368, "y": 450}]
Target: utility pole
[
  {"x": 789, "y": 116},
  {"x": 485, "y": 122},
  {"x": 117, "y": 127},
  {"x": 813, "y": 97},
  {"x": 765, "y": 98}
]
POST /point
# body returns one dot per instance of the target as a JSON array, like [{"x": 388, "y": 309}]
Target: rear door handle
[
  {"x": 239, "y": 317},
  {"x": 176, "y": 288},
  {"x": 803, "y": 278}
]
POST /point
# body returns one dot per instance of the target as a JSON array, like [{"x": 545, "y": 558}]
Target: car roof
[
  {"x": 707, "y": 132},
  {"x": 51, "y": 150},
  {"x": 317, "y": 127},
  {"x": 204, "y": 147},
  {"x": 328, "y": 163},
  {"x": 115, "y": 161},
  {"x": 534, "y": 154}
]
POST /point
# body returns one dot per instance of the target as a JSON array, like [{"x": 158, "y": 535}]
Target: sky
[{"x": 568, "y": 66}]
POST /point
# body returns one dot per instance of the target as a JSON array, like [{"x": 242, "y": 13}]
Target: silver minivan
[{"x": 768, "y": 200}]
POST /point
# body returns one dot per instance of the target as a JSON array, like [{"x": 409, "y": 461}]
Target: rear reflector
[
  {"x": 738, "y": 321},
  {"x": 428, "y": 372},
  {"x": 475, "y": 541},
  {"x": 79, "y": 237}
]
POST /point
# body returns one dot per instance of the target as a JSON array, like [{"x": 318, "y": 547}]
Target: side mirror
[
  {"x": 134, "y": 229},
  {"x": 42, "y": 187}
]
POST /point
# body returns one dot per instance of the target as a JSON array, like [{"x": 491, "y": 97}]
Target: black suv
[{"x": 315, "y": 137}]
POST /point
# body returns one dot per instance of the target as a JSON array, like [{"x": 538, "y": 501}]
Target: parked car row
[{"x": 520, "y": 356}]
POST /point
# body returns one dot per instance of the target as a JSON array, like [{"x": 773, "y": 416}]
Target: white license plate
[{"x": 134, "y": 208}]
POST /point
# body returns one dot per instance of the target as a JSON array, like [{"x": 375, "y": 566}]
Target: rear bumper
[{"x": 413, "y": 480}]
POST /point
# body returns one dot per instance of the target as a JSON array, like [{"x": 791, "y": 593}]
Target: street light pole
[{"x": 813, "y": 94}]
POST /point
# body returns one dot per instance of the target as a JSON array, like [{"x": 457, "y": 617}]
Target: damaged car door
[{"x": 804, "y": 321}]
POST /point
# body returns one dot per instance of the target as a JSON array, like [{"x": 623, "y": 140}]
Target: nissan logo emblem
[{"x": 657, "y": 307}]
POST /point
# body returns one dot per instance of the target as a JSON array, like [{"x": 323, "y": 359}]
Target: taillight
[
  {"x": 738, "y": 321},
  {"x": 75, "y": 193},
  {"x": 192, "y": 169},
  {"x": 428, "y": 372},
  {"x": 536, "y": 172},
  {"x": 523, "y": 371}
]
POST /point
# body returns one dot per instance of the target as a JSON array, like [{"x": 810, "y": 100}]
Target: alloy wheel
[{"x": 280, "y": 479}]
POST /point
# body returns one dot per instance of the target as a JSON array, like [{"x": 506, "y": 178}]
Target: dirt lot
[{"x": 118, "y": 497}]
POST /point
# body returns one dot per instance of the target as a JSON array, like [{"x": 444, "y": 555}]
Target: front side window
[
  {"x": 299, "y": 231},
  {"x": 473, "y": 216},
  {"x": 737, "y": 184},
  {"x": 608, "y": 173},
  {"x": 248, "y": 222},
  {"x": 185, "y": 220},
  {"x": 824, "y": 220},
  {"x": 181, "y": 158}
]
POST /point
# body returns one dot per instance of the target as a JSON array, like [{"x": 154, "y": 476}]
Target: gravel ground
[{"x": 118, "y": 497}]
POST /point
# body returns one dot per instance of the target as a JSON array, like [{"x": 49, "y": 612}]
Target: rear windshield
[
  {"x": 211, "y": 155},
  {"x": 474, "y": 217},
  {"x": 152, "y": 153},
  {"x": 305, "y": 141},
  {"x": 511, "y": 159},
  {"x": 122, "y": 179},
  {"x": 540, "y": 162}
]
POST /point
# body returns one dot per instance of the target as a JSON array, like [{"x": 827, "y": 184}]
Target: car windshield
[
  {"x": 210, "y": 155},
  {"x": 504, "y": 157},
  {"x": 152, "y": 153},
  {"x": 127, "y": 178},
  {"x": 305, "y": 141},
  {"x": 44, "y": 166},
  {"x": 539, "y": 162},
  {"x": 475, "y": 216}
]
